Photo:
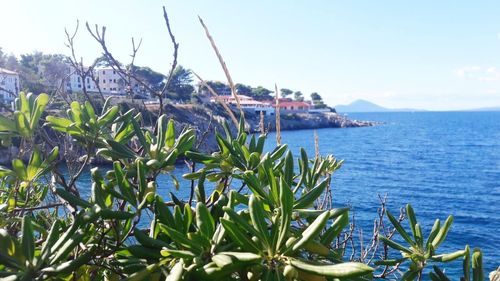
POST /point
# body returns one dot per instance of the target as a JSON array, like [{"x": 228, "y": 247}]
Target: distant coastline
[{"x": 359, "y": 106}]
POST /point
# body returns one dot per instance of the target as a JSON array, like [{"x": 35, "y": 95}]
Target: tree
[
  {"x": 317, "y": 101},
  {"x": 285, "y": 92},
  {"x": 31, "y": 72},
  {"x": 153, "y": 79},
  {"x": 3, "y": 58},
  {"x": 103, "y": 61},
  {"x": 219, "y": 87},
  {"x": 298, "y": 96},
  {"x": 261, "y": 93},
  {"x": 243, "y": 89},
  {"x": 54, "y": 69},
  {"x": 180, "y": 87},
  {"x": 8, "y": 61}
]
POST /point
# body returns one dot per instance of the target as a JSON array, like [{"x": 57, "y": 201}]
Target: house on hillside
[
  {"x": 247, "y": 103},
  {"x": 110, "y": 81},
  {"x": 294, "y": 106},
  {"x": 75, "y": 82},
  {"x": 9, "y": 86}
]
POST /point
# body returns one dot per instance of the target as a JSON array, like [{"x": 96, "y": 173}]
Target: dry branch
[{"x": 224, "y": 67}]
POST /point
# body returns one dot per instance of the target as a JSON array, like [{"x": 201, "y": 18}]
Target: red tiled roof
[{"x": 294, "y": 103}]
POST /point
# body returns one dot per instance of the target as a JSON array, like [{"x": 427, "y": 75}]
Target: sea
[{"x": 442, "y": 163}]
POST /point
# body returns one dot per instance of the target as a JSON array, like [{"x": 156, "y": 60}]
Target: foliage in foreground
[{"x": 251, "y": 214}]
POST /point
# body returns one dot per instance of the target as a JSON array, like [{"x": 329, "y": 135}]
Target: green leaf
[
  {"x": 147, "y": 241},
  {"x": 235, "y": 260},
  {"x": 71, "y": 265},
  {"x": 121, "y": 149},
  {"x": 449, "y": 257},
  {"x": 400, "y": 229},
  {"x": 288, "y": 171},
  {"x": 308, "y": 199},
  {"x": 341, "y": 270},
  {"x": 242, "y": 223},
  {"x": 72, "y": 199},
  {"x": 170, "y": 134},
  {"x": 40, "y": 103},
  {"x": 336, "y": 228},
  {"x": 50, "y": 240},
  {"x": 58, "y": 123},
  {"x": 433, "y": 233},
  {"x": 286, "y": 206},
  {"x": 108, "y": 116},
  {"x": 204, "y": 220},
  {"x": 19, "y": 168},
  {"x": 6, "y": 124},
  {"x": 412, "y": 218},
  {"x": 259, "y": 219},
  {"x": 239, "y": 236},
  {"x": 123, "y": 184},
  {"x": 180, "y": 238},
  {"x": 466, "y": 263},
  {"x": 439, "y": 274},
  {"x": 395, "y": 245},
  {"x": 163, "y": 212},
  {"x": 442, "y": 232},
  {"x": 28, "y": 239},
  {"x": 477, "y": 265},
  {"x": 312, "y": 231},
  {"x": 140, "y": 134}
]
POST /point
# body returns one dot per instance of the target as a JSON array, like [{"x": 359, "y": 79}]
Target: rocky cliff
[{"x": 207, "y": 120}]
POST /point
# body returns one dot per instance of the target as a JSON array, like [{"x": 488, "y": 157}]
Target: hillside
[{"x": 367, "y": 106}]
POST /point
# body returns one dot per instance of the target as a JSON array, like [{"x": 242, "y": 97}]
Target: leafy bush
[{"x": 252, "y": 214}]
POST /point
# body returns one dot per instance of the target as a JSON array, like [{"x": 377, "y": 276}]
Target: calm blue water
[{"x": 441, "y": 162}]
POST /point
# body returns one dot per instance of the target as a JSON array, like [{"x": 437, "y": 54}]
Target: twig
[
  {"x": 214, "y": 93},
  {"x": 38, "y": 207},
  {"x": 224, "y": 67},
  {"x": 278, "y": 120},
  {"x": 174, "y": 61}
]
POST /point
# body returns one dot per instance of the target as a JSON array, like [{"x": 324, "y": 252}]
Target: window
[
  {"x": 114, "y": 72},
  {"x": 79, "y": 86},
  {"x": 103, "y": 72},
  {"x": 104, "y": 89},
  {"x": 88, "y": 80},
  {"x": 78, "y": 79},
  {"x": 103, "y": 80},
  {"x": 114, "y": 80}
]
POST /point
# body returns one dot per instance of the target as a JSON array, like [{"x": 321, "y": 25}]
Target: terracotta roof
[
  {"x": 6, "y": 71},
  {"x": 294, "y": 103}
]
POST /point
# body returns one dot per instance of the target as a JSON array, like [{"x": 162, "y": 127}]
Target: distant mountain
[{"x": 366, "y": 106}]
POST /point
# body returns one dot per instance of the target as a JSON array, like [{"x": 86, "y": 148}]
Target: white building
[
  {"x": 9, "y": 85},
  {"x": 110, "y": 81},
  {"x": 75, "y": 83},
  {"x": 247, "y": 103}
]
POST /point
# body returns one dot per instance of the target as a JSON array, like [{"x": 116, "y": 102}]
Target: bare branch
[
  {"x": 214, "y": 93},
  {"x": 174, "y": 61},
  {"x": 224, "y": 67},
  {"x": 278, "y": 120}
]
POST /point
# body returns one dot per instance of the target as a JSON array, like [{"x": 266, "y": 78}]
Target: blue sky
[{"x": 439, "y": 55}]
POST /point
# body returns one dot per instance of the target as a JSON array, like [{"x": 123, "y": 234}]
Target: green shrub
[{"x": 264, "y": 220}]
